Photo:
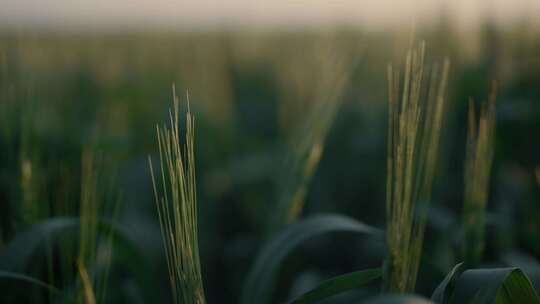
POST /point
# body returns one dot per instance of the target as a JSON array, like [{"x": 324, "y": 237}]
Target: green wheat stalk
[
  {"x": 176, "y": 203},
  {"x": 93, "y": 261},
  {"x": 415, "y": 121},
  {"x": 478, "y": 160}
]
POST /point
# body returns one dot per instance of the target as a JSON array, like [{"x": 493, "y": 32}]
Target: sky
[{"x": 250, "y": 14}]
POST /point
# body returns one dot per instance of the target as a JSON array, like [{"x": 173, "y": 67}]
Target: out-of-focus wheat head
[
  {"x": 415, "y": 121},
  {"x": 321, "y": 92},
  {"x": 176, "y": 202},
  {"x": 478, "y": 160}
]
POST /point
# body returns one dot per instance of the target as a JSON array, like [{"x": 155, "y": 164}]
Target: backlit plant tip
[{"x": 176, "y": 201}]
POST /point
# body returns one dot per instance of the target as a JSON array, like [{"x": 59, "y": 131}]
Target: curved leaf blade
[
  {"x": 500, "y": 285},
  {"x": 519, "y": 289},
  {"x": 443, "y": 292},
  {"x": 16, "y": 256},
  {"x": 525, "y": 262},
  {"x": 399, "y": 299},
  {"x": 28, "y": 279},
  {"x": 260, "y": 280},
  {"x": 338, "y": 285}
]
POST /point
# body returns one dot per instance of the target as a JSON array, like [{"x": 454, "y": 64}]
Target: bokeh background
[{"x": 263, "y": 78}]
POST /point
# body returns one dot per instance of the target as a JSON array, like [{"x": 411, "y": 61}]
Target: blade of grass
[
  {"x": 19, "y": 252},
  {"x": 339, "y": 284},
  {"x": 443, "y": 292},
  {"x": 398, "y": 299},
  {"x": 260, "y": 280},
  {"x": 24, "y": 278},
  {"x": 500, "y": 285},
  {"x": 88, "y": 291}
]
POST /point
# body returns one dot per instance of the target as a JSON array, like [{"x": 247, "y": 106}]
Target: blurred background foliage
[{"x": 253, "y": 95}]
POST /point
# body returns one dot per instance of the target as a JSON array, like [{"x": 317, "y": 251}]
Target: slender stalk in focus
[
  {"x": 415, "y": 121},
  {"x": 176, "y": 202}
]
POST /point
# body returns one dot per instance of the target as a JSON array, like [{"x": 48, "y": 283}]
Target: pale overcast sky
[{"x": 199, "y": 14}]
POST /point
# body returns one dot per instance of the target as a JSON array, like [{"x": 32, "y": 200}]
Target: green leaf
[
  {"x": 19, "y": 251},
  {"x": 398, "y": 299},
  {"x": 525, "y": 262},
  {"x": 500, "y": 285},
  {"x": 338, "y": 285},
  {"x": 443, "y": 292},
  {"x": 16, "y": 256},
  {"x": 260, "y": 280},
  {"x": 24, "y": 278}
]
